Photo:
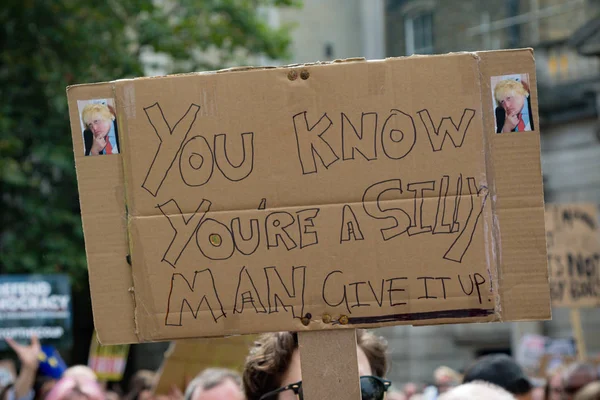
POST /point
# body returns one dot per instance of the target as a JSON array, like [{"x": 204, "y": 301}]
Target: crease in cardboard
[
  {"x": 494, "y": 254},
  {"x": 127, "y": 104},
  {"x": 357, "y": 204}
]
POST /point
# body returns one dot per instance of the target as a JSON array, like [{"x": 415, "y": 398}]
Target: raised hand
[{"x": 28, "y": 355}]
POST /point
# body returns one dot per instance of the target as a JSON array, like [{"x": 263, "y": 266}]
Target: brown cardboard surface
[
  {"x": 355, "y": 194},
  {"x": 573, "y": 254},
  {"x": 185, "y": 359},
  {"x": 336, "y": 350}
]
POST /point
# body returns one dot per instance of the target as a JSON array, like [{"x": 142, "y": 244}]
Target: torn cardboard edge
[{"x": 489, "y": 64}]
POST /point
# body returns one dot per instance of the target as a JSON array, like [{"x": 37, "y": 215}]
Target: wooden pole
[
  {"x": 329, "y": 365},
  {"x": 578, "y": 333}
]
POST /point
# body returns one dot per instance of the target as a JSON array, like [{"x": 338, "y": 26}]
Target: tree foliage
[{"x": 50, "y": 44}]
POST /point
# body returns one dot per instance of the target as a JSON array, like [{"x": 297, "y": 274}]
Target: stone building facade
[{"x": 568, "y": 85}]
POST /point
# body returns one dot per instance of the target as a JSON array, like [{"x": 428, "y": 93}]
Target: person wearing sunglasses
[{"x": 272, "y": 369}]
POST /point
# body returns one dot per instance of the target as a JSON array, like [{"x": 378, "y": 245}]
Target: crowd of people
[{"x": 272, "y": 372}]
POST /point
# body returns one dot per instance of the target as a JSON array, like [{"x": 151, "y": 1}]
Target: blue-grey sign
[{"x": 37, "y": 305}]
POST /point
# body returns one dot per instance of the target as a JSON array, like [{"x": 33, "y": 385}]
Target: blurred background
[{"x": 47, "y": 45}]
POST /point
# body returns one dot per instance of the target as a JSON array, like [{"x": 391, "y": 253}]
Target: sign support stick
[
  {"x": 329, "y": 365},
  {"x": 578, "y": 333}
]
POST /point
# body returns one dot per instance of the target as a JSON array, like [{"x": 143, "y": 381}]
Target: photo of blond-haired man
[
  {"x": 512, "y": 106},
  {"x": 100, "y": 135}
]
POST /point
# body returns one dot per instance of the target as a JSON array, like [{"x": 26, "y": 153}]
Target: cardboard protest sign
[
  {"x": 185, "y": 359},
  {"x": 573, "y": 254},
  {"x": 338, "y": 195},
  {"x": 108, "y": 362},
  {"x": 536, "y": 353},
  {"x": 37, "y": 305}
]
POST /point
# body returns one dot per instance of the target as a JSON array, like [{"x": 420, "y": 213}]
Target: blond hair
[
  {"x": 509, "y": 86},
  {"x": 95, "y": 109}
]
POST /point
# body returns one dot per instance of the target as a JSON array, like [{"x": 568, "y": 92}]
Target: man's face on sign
[
  {"x": 512, "y": 102},
  {"x": 98, "y": 124}
]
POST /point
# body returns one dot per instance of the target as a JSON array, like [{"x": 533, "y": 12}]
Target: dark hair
[
  {"x": 270, "y": 357},
  {"x": 501, "y": 370}
]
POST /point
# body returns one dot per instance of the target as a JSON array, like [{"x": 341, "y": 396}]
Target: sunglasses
[{"x": 371, "y": 388}]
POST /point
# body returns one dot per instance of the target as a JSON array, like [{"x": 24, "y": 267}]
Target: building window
[{"x": 419, "y": 33}]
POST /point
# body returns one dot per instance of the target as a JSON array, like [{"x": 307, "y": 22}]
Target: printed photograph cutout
[
  {"x": 98, "y": 119},
  {"x": 512, "y": 103}
]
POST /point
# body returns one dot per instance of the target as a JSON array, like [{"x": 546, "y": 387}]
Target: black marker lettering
[
  {"x": 392, "y": 290},
  {"x": 182, "y": 294},
  {"x": 363, "y": 143},
  {"x": 310, "y": 142},
  {"x": 308, "y": 236},
  {"x": 184, "y": 228},
  {"x": 427, "y": 296},
  {"x": 196, "y": 162},
  {"x": 372, "y": 206},
  {"x": 447, "y": 127},
  {"x": 277, "y": 225},
  {"x": 398, "y": 135},
  {"x": 358, "y": 303},
  {"x": 279, "y": 292},
  {"x": 244, "y": 168},
  {"x": 171, "y": 141},
  {"x": 350, "y": 228},
  {"x": 214, "y": 240},
  {"x": 247, "y": 295},
  {"x": 344, "y": 298},
  {"x": 419, "y": 189}
]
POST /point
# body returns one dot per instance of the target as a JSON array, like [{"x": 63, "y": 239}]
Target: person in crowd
[
  {"x": 100, "y": 135},
  {"x": 513, "y": 113},
  {"x": 395, "y": 396},
  {"x": 215, "y": 384},
  {"x": 410, "y": 389},
  {"x": 445, "y": 378},
  {"x": 575, "y": 377},
  {"x": 477, "y": 391},
  {"x": 43, "y": 386},
  {"x": 554, "y": 385},
  {"x": 500, "y": 370},
  {"x": 591, "y": 391},
  {"x": 272, "y": 369},
  {"x": 538, "y": 393},
  {"x": 76, "y": 388},
  {"x": 81, "y": 372},
  {"x": 141, "y": 385},
  {"x": 22, "y": 389}
]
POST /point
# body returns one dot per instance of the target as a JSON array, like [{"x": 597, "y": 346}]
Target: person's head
[
  {"x": 591, "y": 391},
  {"x": 142, "y": 380},
  {"x": 500, "y": 370},
  {"x": 80, "y": 372},
  {"x": 76, "y": 388},
  {"x": 554, "y": 384},
  {"x": 97, "y": 118},
  {"x": 215, "y": 384},
  {"x": 445, "y": 378},
  {"x": 477, "y": 391},
  {"x": 510, "y": 95},
  {"x": 410, "y": 389},
  {"x": 274, "y": 362},
  {"x": 141, "y": 385},
  {"x": 575, "y": 377},
  {"x": 43, "y": 385}
]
